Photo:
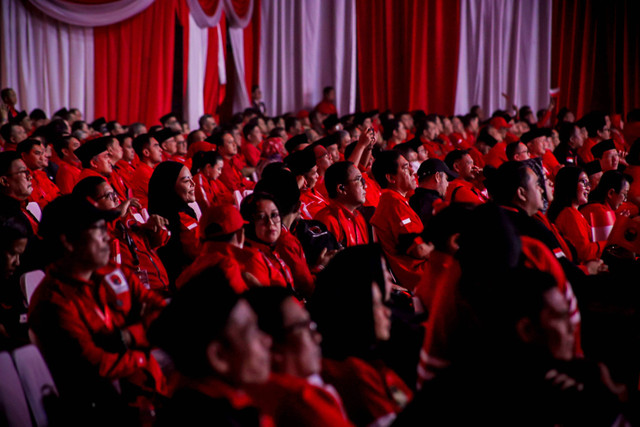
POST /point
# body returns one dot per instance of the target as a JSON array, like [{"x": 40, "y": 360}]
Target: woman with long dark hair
[
  {"x": 171, "y": 189},
  {"x": 572, "y": 191},
  {"x": 604, "y": 201}
]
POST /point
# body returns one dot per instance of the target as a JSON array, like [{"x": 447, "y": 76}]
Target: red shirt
[
  {"x": 232, "y": 177},
  {"x": 291, "y": 252},
  {"x": 211, "y": 192},
  {"x": 267, "y": 265},
  {"x": 44, "y": 190},
  {"x": 373, "y": 189},
  {"x": 393, "y": 218},
  {"x": 349, "y": 228},
  {"x": 140, "y": 184},
  {"x": 497, "y": 155},
  {"x": 126, "y": 170},
  {"x": 437, "y": 273},
  {"x": 311, "y": 202},
  {"x": 326, "y": 107},
  {"x": 67, "y": 177},
  {"x": 251, "y": 154},
  {"x": 576, "y": 230},
  {"x": 584, "y": 152},
  {"x": 118, "y": 183},
  {"x": 462, "y": 191}
]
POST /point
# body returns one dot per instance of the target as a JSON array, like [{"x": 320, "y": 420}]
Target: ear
[
  {"x": 3, "y": 181},
  {"x": 93, "y": 163},
  {"x": 390, "y": 178},
  {"x": 66, "y": 244},
  {"x": 217, "y": 358},
  {"x": 452, "y": 243},
  {"x": 341, "y": 189},
  {"x": 525, "y": 330},
  {"x": 146, "y": 152},
  {"x": 611, "y": 193},
  {"x": 521, "y": 194}
]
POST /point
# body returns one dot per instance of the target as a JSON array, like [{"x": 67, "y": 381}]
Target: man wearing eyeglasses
[
  {"x": 33, "y": 153},
  {"x": 15, "y": 187},
  {"x": 347, "y": 192},
  {"x": 433, "y": 181}
]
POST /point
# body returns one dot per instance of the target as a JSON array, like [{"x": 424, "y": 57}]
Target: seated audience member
[
  {"x": 571, "y": 141},
  {"x": 394, "y": 133},
  {"x": 347, "y": 192},
  {"x": 572, "y": 191},
  {"x": 38, "y": 118},
  {"x": 597, "y": 131},
  {"x": 170, "y": 120},
  {"x": 231, "y": 175},
  {"x": 462, "y": 189},
  {"x": 166, "y": 137},
  {"x": 96, "y": 159},
  {"x": 303, "y": 165},
  {"x": 262, "y": 231},
  {"x": 295, "y": 394},
  {"x": 324, "y": 159},
  {"x": 196, "y": 142},
  {"x": 69, "y": 169},
  {"x": 12, "y": 135},
  {"x": 433, "y": 180},
  {"x": 327, "y": 105},
  {"x": 349, "y": 307},
  {"x": 206, "y": 169},
  {"x": 171, "y": 189},
  {"x": 150, "y": 155},
  {"x": 124, "y": 166},
  {"x": 409, "y": 152},
  {"x": 134, "y": 243},
  {"x": 14, "y": 235},
  {"x": 531, "y": 369},
  {"x": 253, "y": 141},
  {"x": 273, "y": 151},
  {"x": 396, "y": 225},
  {"x": 181, "y": 150},
  {"x": 137, "y": 129},
  {"x": 517, "y": 151},
  {"x": 633, "y": 170},
  {"x": 114, "y": 128},
  {"x": 221, "y": 231},
  {"x": 207, "y": 124},
  {"x": 604, "y": 202},
  {"x": 212, "y": 337},
  {"x": 90, "y": 318},
  {"x": 118, "y": 178},
  {"x": 607, "y": 154},
  {"x": 360, "y": 154},
  {"x": 297, "y": 143},
  {"x": 34, "y": 156},
  {"x": 15, "y": 188}
]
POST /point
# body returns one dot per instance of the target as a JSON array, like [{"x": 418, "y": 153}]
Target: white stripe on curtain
[
  {"x": 48, "y": 63},
  {"x": 305, "y": 46},
  {"x": 91, "y": 15},
  {"x": 505, "y": 46},
  {"x": 198, "y": 45}
]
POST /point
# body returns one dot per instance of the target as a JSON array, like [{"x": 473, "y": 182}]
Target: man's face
[
  {"x": 36, "y": 159},
  {"x": 17, "y": 182},
  {"x": 117, "y": 129},
  {"x": 555, "y": 325},
  {"x": 173, "y": 124},
  {"x": 401, "y": 132},
  {"x": 610, "y": 160},
  {"x": 128, "y": 153},
  {"x": 605, "y": 132},
  {"x": 522, "y": 153},
  {"x": 355, "y": 187},
  {"x": 115, "y": 151},
  {"x": 533, "y": 194},
  {"x": 10, "y": 98},
  {"x": 311, "y": 177},
  {"x": 181, "y": 145},
  {"x": 69, "y": 155},
  {"x": 155, "y": 152},
  {"x": 247, "y": 348},
  {"x": 323, "y": 158},
  {"x": 255, "y": 136},
  {"x": 229, "y": 148},
  {"x": 466, "y": 168},
  {"x": 10, "y": 257},
  {"x": 237, "y": 137},
  {"x": 18, "y": 134},
  {"x": 300, "y": 353},
  {"x": 92, "y": 246},
  {"x": 256, "y": 94},
  {"x": 334, "y": 152},
  {"x": 442, "y": 183},
  {"x": 447, "y": 126},
  {"x": 404, "y": 176},
  {"x": 407, "y": 121},
  {"x": 169, "y": 146},
  {"x": 199, "y": 136},
  {"x": 432, "y": 131},
  {"x": 577, "y": 139},
  {"x": 209, "y": 125},
  {"x": 102, "y": 163},
  {"x": 536, "y": 146}
]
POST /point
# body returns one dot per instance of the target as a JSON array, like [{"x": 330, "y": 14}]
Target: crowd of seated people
[{"x": 377, "y": 268}]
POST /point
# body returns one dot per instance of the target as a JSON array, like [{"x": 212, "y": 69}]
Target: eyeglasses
[
  {"x": 309, "y": 325},
  {"x": 25, "y": 172},
  {"x": 267, "y": 218},
  {"x": 111, "y": 195},
  {"x": 585, "y": 182},
  {"x": 359, "y": 179}
]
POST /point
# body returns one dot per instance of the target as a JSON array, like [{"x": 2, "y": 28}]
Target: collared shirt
[
  {"x": 311, "y": 203},
  {"x": 291, "y": 251},
  {"x": 67, "y": 177},
  {"x": 349, "y": 228},
  {"x": 462, "y": 191},
  {"x": 44, "y": 190},
  {"x": 230, "y": 259},
  {"x": 140, "y": 184}
]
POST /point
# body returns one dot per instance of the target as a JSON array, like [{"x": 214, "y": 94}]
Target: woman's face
[
  {"x": 582, "y": 195},
  {"x": 185, "y": 187},
  {"x": 267, "y": 222},
  {"x": 213, "y": 171}
]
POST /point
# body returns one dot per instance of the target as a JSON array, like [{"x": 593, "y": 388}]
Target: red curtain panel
[
  {"x": 134, "y": 65},
  {"x": 252, "y": 49},
  {"x": 596, "y": 55},
  {"x": 214, "y": 92},
  {"x": 408, "y": 54}
]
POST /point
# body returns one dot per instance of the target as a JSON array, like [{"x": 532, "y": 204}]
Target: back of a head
[
  {"x": 503, "y": 183},
  {"x": 267, "y": 303},
  {"x": 385, "y": 163},
  {"x": 141, "y": 142},
  {"x": 88, "y": 187},
  {"x": 565, "y": 189},
  {"x": 163, "y": 199},
  {"x": 282, "y": 185},
  {"x": 445, "y": 224},
  {"x": 565, "y": 131}
]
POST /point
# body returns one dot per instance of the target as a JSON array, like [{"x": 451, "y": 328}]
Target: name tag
[{"x": 406, "y": 221}]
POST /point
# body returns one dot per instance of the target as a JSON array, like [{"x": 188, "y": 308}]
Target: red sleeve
[
  {"x": 575, "y": 229},
  {"x": 66, "y": 180},
  {"x": 189, "y": 235},
  {"x": 251, "y": 154}
]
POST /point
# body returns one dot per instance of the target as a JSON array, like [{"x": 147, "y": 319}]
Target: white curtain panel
[
  {"x": 91, "y": 15},
  {"x": 305, "y": 46},
  {"x": 232, "y": 17},
  {"x": 201, "y": 18},
  {"x": 505, "y": 47},
  {"x": 240, "y": 95},
  {"x": 198, "y": 44},
  {"x": 50, "y": 64}
]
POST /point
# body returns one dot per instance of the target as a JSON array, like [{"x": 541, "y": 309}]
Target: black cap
[
  {"x": 295, "y": 141},
  {"x": 329, "y": 140},
  {"x": 535, "y": 133},
  {"x": 431, "y": 166},
  {"x": 92, "y": 148},
  {"x": 331, "y": 121},
  {"x": 599, "y": 149},
  {"x": 99, "y": 125},
  {"x": 592, "y": 168},
  {"x": 63, "y": 113},
  {"x": 167, "y": 117},
  {"x": 70, "y": 214},
  {"x": 300, "y": 162},
  {"x": 164, "y": 134}
]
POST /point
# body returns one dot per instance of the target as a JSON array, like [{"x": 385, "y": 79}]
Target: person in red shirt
[
  {"x": 347, "y": 192},
  {"x": 295, "y": 393},
  {"x": 206, "y": 170},
  {"x": 327, "y": 105},
  {"x": 536, "y": 141},
  {"x": 252, "y": 142},
  {"x": 607, "y": 154},
  {"x": 231, "y": 175},
  {"x": 90, "y": 318},
  {"x": 69, "y": 166},
  {"x": 396, "y": 225},
  {"x": 34, "y": 155},
  {"x": 12, "y": 134},
  {"x": 303, "y": 165},
  {"x": 166, "y": 137},
  {"x": 349, "y": 308},
  {"x": 324, "y": 159},
  {"x": 212, "y": 336},
  {"x": 605, "y": 202},
  {"x": 427, "y": 131},
  {"x": 394, "y": 133},
  {"x": 124, "y": 166},
  {"x": 96, "y": 159},
  {"x": 462, "y": 189},
  {"x": 597, "y": 131},
  {"x": 150, "y": 155}
]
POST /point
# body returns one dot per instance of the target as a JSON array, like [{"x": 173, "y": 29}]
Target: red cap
[
  {"x": 220, "y": 220},
  {"x": 302, "y": 114},
  {"x": 499, "y": 123}
]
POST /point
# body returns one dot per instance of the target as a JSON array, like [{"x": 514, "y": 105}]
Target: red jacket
[
  {"x": 140, "y": 184},
  {"x": 290, "y": 250},
  {"x": 349, "y": 228},
  {"x": 462, "y": 191},
  {"x": 576, "y": 230},
  {"x": 311, "y": 202},
  {"x": 211, "y": 192},
  {"x": 67, "y": 177},
  {"x": 44, "y": 190},
  {"x": 266, "y": 265}
]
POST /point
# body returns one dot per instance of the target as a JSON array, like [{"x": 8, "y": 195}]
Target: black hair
[
  {"x": 453, "y": 157},
  {"x": 26, "y": 145},
  {"x": 204, "y": 158},
  {"x": 389, "y": 127},
  {"x": 385, "y": 163},
  {"x": 141, "y": 142},
  {"x": 267, "y": 303},
  {"x": 248, "y": 209},
  {"x": 566, "y": 187},
  {"x": 610, "y": 180},
  {"x": 511, "y": 148},
  {"x": 249, "y": 127},
  {"x": 503, "y": 183},
  {"x": 335, "y": 175},
  {"x": 88, "y": 187},
  {"x": 37, "y": 114}
]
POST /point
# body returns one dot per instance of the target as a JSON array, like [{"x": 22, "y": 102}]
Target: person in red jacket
[
  {"x": 34, "y": 155},
  {"x": 295, "y": 393},
  {"x": 251, "y": 146},
  {"x": 607, "y": 154},
  {"x": 304, "y": 166},
  {"x": 231, "y": 175},
  {"x": 69, "y": 167},
  {"x": 462, "y": 189},
  {"x": 605, "y": 202},
  {"x": 150, "y": 155},
  {"x": 90, "y": 318},
  {"x": 327, "y": 105},
  {"x": 206, "y": 169}
]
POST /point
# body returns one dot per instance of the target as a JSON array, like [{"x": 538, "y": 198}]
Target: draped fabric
[
  {"x": 206, "y": 13},
  {"x": 505, "y": 47},
  {"x": 198, "y": 48},
  {"x": 89, "y": 13},
  {"x": 596, "y": 55},
  {"x": 49, "y": 63},
  {"x": 251, "y": 35},
  {"x": 134, "y": 65},
  {"x": 215, "y": 78},
  {"x": 304, "y": 47},
  {"x": 408, "y": 54},
  {"x": 239, "y": 12}
]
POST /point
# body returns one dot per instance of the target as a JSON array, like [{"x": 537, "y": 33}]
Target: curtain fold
[
  {"x": 239, "y": 12},
  {"x": 596, "y": 55},
  {"x": 215, "y": 78},
  {"x": 134, "y": 65},
  {"x": 408, "y": 54},
  {"x": 50, "y": 64},
  {"x": 505, "y": 47},
  {"x": 206, "y": 13},
  {"x": 304, "y": 47},
  {"x": 91, "y": 14},
  {"x": 198, "y": 48}
]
